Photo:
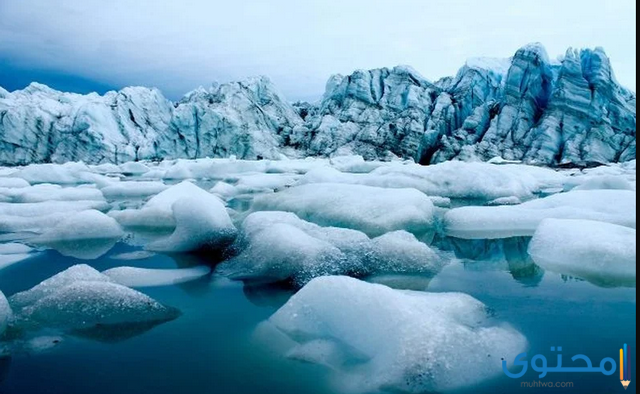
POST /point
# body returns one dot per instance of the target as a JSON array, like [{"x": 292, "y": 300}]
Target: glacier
[{"x": 565, "y": 112}]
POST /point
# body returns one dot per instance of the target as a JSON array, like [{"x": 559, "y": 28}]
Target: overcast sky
[{"x": 84, "y": 45}]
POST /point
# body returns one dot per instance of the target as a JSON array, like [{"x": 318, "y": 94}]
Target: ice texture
[
  {"x": 611, "y": 206},
  {"x": 380, "y": 339},
  {"x": 278, "y": 246},
  {"x": 146, "y": 277},
  {"x": 602, "y": 253},
  {"x": 372, "y": 210},
  {"x": 525, "y": 108},
  {"x": 85, "y": 304},
  {"x": 11, "y": 253}
]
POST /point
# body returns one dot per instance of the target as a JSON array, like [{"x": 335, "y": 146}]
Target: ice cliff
[{"x": 566, "y": 112}]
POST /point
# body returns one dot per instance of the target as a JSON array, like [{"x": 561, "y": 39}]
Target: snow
[
  {"x": 372, "y": 210},
  {"x": 611, "y": 206},
  {"x": 145, "y": 277},
  {"x": 610, "y": 182},
  {"x": 380, "y": 339},
  {"x": 600, "y": 252},
  {"x": 86, "y": 304},
  {"x": 201, "y": 224}
]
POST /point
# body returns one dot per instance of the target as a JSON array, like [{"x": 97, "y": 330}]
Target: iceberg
[
  {"x": 380, "y": 339},
  {"x": 601, "y": 253}
]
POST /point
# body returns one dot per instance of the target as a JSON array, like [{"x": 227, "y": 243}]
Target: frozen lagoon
[{"x": 215, "y": 343}]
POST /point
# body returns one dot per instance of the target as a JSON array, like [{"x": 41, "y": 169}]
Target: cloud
[{"x": 178, "y": 46}]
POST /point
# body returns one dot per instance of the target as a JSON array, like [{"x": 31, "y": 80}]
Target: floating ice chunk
[
  {"x": 10, "y": 182},
  {"x": 48, "y": 173},
  {"x": 224, "y": 190},
  {"x": 48, "y": 207},
  {"x": 372, "y": 210},
  {"x": 453, "y": 179},
  {"x": 133, "y": 168},
  {"x": 278, "y": 246},
  {"x": 76, "y": 273},
  {"x": 85, "y": 304},
  {"x": 201, "y": 224},
  {"x": 400, "y": 252},
  {"x": 605, "y": 182},
  {"x": 505, "y": 201},
  {"x": 256, "y": 183},
  {"x": 106, "y": 168},
  {"x": 49, "y": 192},
  {"x": 5, "y": 313},
  {"x": 602, "y": 253},
  {"x": 83, "y": 225},
  {"x": 137, "y": 255},
  {"x": 35, "y": 224},
  {"x": 87, "y": 235},
  {"x": 355, "y": 164},
  {"x": 123, "y": 190},
  {"x": 14, "y": 248},
  {"x": 11, "y": 253},
  {"x": 612, "y": 206},
  {"x": 379, "y": 339},
  {"x": 157, "y": 212},
  {"x": 145, "y": 277}
]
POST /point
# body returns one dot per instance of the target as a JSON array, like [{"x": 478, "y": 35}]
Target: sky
[{"x": 176, "y": 46}]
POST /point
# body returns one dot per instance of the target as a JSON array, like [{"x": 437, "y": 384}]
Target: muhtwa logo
[{"x": 625, "y": 367}]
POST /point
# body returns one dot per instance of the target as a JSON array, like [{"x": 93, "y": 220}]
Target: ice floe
[
  {"x": 146, "y": 277},
  {"x": 380, "y": 339},
  {"x": 133, "y": 189},
  {"x": 278, "y": 246},
  {"x": 611, "y": 206},
  {"x": 602, "y": 253},
  {"x": 369, "y": 209}
]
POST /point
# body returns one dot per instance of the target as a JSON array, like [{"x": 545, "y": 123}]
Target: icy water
[{"x": 211, "y": 347}]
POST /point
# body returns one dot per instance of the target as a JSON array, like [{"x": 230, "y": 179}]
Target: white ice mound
[
  {"x": 453, "y": 179},
  {"x": 76, "y": 273},
  {"x": 611, "y": 206},
  {"x": 5, "y": 313},
  {"x": 88, "y": 304},
  {"x": 147, "y": 277},
  {"x": 11, "y": 182},
  {"x": 372, "y": 210},
  {"x": 280, "y": 246},
  {"x": 380, "y": 339},
  {"x": 158, "y": 211},
  {"x": 202, "y": 223},
  {"x": 88, "y": 234},
  {"x": 602, "y": 253}
]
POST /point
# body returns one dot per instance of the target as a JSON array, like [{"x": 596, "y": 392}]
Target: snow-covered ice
[
  {"x": 372, "y": 210},
  {"x": 146, "y": 277},
  {"x": 602, "y": 253},
  {"x": 377, "y": 338}
]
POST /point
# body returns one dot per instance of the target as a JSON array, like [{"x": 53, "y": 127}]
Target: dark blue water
[{"x": 211, "y": 348}]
